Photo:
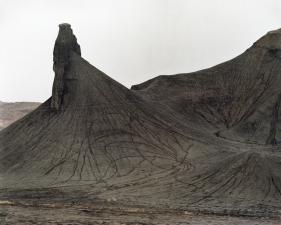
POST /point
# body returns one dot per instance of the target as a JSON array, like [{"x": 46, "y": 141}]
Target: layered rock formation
[{"x": 207, "y": 140}]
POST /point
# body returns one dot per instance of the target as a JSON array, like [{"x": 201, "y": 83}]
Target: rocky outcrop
[
  {"x": 271, "y": 140},
  {"x": 66, "y": 43},
  {"x": 272, "y": 40}
]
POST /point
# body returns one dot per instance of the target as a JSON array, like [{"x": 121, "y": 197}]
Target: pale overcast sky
[{"x": 130, "y": 40}]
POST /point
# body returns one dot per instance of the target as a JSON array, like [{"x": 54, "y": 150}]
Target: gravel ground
[{"x": 54, "y": 214}]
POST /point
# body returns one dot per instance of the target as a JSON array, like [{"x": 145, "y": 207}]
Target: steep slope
[
  {"x": 238, "y": 99},
  {"x": 92, "y": 129}
]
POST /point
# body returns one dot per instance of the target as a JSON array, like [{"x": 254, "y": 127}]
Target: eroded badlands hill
[{"x": 204, "y": 140}]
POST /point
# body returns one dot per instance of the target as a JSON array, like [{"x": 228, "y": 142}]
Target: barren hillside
[{"x": 203, "y": 142}]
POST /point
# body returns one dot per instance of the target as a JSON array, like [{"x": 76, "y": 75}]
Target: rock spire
[{"x": 66, "y": 43}]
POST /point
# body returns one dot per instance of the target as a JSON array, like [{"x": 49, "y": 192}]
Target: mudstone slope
[{"x": 207, "y": 140}]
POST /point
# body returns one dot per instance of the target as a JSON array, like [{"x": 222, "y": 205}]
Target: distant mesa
[
  {"x": 207, "y": 140},
  {"x": 12, "y": 111}
]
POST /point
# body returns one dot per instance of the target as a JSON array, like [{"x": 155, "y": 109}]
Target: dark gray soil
[{"x": 203, "y": 142}]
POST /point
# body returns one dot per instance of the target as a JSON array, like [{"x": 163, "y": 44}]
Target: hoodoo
[
  {"x": 66, "y": 44},
  {"x": 207, "y": 140}
]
